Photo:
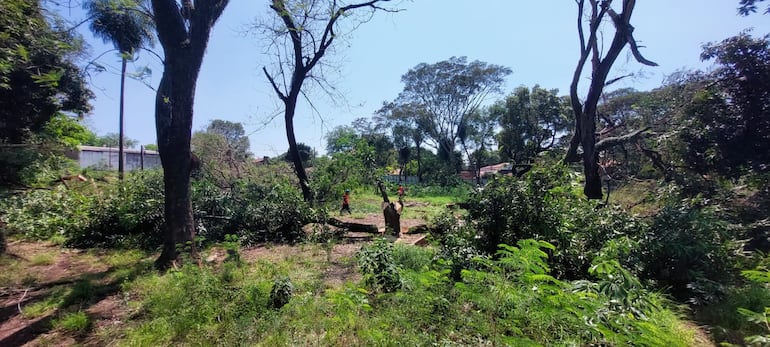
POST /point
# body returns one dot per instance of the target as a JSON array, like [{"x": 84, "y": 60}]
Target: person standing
[{"x": 346, "y": 202}]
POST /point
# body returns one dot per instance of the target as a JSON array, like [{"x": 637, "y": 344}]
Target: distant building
[
  {"x": 262, "y": 161},
  {"x": 106, "y": 158}
]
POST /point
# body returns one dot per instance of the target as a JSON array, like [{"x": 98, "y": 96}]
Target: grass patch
[
  {"x": 75, "y": 322},
  {"x": 12, "y": 271},
  {"x": 41, "y": 259}
]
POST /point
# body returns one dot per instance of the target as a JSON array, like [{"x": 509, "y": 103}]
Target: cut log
[
  {"x": 355, "y": 227},
  {"x": 419, "y": 229}
]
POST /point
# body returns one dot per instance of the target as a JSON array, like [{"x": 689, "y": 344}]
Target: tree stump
[{"x": 392, "y": 214}]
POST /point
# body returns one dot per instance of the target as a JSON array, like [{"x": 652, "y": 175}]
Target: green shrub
[
  {"x": 410, "y": 257},
  {"x": 42, "y": 213},
  {"x": 128, "y": 214},
  {"x": 509, "y": 209},
  {"x": 691, "y": 251},
  {"x": 254, "y": 212},
  {"x": 281, "y": 292},
  {"x": 376, "y": 264}
]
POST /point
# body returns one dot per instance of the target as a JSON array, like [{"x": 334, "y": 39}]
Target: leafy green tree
[
  {"x": 183, "y": 31},
  {"x": 445, "y": 94},
  {"x": 38, "y": 78},
  {"x": 302, "y": 33},
  {"x": 235, "y": 136},
  {"x": 374, "y": 134},
  {"x": 128, "y": 28},
  {"x": 223, "y": 150},
  {"x": 306, "y": 155},
  {"x": 341, "y": 139},
  {"x": 727, "y": 123},
  {"x": 531, "y": 122},
  {"x": 476, "y": 135},
  {"x": 67, "y": 131}
]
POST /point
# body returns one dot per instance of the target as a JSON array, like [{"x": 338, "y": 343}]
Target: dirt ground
[{"x": 32, "y": 280}]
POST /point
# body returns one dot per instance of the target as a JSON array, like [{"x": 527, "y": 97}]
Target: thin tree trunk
[
  {"x": 419, "y": 165},
  {"x": 121, "y": 155}
]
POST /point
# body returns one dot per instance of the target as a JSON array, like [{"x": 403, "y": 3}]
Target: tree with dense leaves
[
  {"x": 124, "y": 24},
  {"x": 303, "y": 32},
  {"x": 38, "y": 78},
  {"x": 183, "y": 31},
  {"x": 446, "y": 93},
  {"x": 727, "y": 129},
  {"x": 235, "y": 136},
  {"x": 306, "y": 155},
  {"x": 531, "y": 122},
  {"x": 585, "y": 110},
  {"x": 341, "y": 139}
]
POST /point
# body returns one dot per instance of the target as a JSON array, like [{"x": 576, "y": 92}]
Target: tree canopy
[
  {"x": 38, "y": 77},
  {"x": 445, "y": 94},
  {"x": 530, "y": 121}
]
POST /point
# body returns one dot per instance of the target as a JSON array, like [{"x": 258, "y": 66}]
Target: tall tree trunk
[
  {"x": 121, "y": 134},
  {"x": 299, "y": 167},
  {"x": 419, "y": 164},
  {"x": 174, "y": 113},
  {"x": 184, "y": 40}
]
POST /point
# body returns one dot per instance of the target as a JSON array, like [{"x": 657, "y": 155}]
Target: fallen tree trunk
[{"x": 354, "y": 227}]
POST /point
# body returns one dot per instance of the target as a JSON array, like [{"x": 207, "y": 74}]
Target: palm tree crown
[{"x": 122, "y": 23}]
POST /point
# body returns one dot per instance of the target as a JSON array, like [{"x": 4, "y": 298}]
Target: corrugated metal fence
[{"x": 106, "y": 158}]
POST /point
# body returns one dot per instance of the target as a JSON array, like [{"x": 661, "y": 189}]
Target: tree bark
[
  {"x": 174, "y": 112},
  {"x": 299, "y": 167},
  {"x": 184, "y": 40},
  {"x": 121, "y": 134}
]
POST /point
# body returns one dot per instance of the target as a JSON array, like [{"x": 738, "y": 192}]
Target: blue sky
[{"x": 536, "y": 39}]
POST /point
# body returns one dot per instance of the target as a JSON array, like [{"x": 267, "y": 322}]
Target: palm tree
[{"x": 125, "y": 25}]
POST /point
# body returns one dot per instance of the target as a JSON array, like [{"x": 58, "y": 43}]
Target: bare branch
[
  {"x": 614, "y": 141},
  {"x": 275, "y": 86}
]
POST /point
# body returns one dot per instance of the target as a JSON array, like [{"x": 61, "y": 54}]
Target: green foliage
[
  {"x": 726, "y": 122},
  {"x": 121, "y": 23},
  {"x": 281, "y": 293},
  {"x": 111, "y": 140},
  {"x": 41, "y": 214},
  {"x": 129, "y": 214},
  {"x": 376, "y": 263},
  {"x": 254, "y": 212},
  {"x": 195, "y": 303},
  {"x": 438, "y": 97},
  {"x": 691, "y": 250},
  {"x": 530, "y": 122},
  {"x": 345, "y": 170},
  {"x": 38, "y": 78},
  {"x": 509, "y": 209},
  {"x": 458, "y": 249}
]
